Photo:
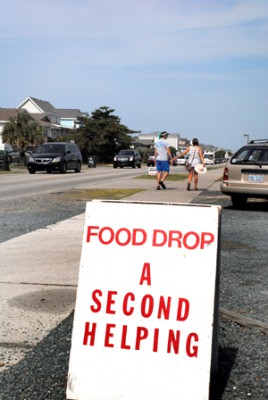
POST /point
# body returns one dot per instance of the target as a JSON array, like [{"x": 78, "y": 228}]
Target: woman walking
[{"x": 195, "y": 157}]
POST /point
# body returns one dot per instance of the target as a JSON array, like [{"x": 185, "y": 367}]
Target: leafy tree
[
  {"x": 21, "y": 132},
  {"x": 220, "y": 154},
  {"x": 102, "y": 135}
]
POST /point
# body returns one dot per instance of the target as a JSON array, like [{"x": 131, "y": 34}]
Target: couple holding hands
[{"x": 163, "y": 157}]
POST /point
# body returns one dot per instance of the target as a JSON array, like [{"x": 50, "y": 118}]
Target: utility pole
[{"x": 247, "y": 136}]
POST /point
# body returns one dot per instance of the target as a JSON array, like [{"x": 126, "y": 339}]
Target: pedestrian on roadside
[
  {"x": 163, "y": 157},
  {"x": 195, "y": 157}
]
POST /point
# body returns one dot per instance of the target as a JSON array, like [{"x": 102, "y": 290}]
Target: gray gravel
[{"x": 243, "y": 352}]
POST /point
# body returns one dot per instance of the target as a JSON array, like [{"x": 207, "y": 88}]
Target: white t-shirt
[{"x": 161, "y": 149}]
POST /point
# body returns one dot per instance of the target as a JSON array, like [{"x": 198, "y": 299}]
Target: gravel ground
[{"x": 243, "y": 351}]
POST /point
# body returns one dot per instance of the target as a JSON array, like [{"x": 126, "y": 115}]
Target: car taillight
[{"x": 225, "y": 174}]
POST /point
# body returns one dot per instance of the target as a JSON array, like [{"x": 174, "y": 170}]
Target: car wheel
[
  {"x": 115, "y": 166},
  {"x": 31, "y": 170},
  {"x": 239, "y": 201},
  {"x": 63, "y": 168},
  {"x": 78, "y": 168},
  {"x": 139, "y": 165},
  {"x": 134, "y": 165}
]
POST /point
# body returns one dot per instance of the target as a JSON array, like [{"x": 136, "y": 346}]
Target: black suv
[
  {"x": 127, "y": 158},
  {"x": 55, "y": 156}
]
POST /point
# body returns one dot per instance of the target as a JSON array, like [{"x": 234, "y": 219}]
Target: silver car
[{"x": 246, "y": 173}]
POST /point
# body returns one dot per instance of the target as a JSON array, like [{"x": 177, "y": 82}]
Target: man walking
[{"x": 162, "y": 156}]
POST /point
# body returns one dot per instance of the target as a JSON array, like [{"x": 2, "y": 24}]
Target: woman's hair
[{"x": 195, "y": 142}]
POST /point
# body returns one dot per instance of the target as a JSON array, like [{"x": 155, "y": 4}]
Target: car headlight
[
  {"x": 56, "y": 159},
  {"x": 115, "y": 158},
  {"x": 131, "y": 158},
  {"x": 31, "y": 159}
]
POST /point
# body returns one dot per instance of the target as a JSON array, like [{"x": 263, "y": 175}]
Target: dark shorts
[{"x": 162, "y": 166}]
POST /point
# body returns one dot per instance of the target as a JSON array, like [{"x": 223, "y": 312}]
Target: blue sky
[{"x": 199, "y": 68}]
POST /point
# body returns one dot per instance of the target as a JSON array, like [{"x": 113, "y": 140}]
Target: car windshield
[
  {"x": 126, "y": 153},
  {"x": 251, "y": 156},
  {"x": 51, "y": 148}
]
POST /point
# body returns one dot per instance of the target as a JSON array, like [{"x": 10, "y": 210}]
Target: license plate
[
  {"x": 122, "y": 159},
  {"x": 255, "y": 178}
]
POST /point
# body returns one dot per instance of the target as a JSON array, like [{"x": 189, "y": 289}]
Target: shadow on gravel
[
  {"x": 42, "y": 374},
  {"x": 251, "y": 206},
  {"x": 226, "y": 360}
]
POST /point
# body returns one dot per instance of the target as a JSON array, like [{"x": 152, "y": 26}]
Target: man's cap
[{"x": 164, "y": 134}]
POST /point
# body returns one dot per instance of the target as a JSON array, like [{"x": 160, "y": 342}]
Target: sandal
[
  {"x": 157, "y": 187},
  {"x": 188, "y": 186},
  {"x": 163, "y": 186}
]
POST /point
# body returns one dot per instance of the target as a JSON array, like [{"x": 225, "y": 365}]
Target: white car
[{"x": 181, "y": 161}]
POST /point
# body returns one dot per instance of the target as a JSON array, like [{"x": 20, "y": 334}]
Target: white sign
[{"x": 145, "y": 309}]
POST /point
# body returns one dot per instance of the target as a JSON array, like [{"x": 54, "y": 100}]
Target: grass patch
[
  {"x": 171, "y": 177},
  {"x": 103, "y": 194}
]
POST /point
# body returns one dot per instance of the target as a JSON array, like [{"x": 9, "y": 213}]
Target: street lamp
[{"x": 247, "y": 136}]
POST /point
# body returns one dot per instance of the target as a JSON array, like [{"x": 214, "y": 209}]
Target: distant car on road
[
  {"x": 127, "y": 158},
  {"x": 209, "y": 157},
  {"x": 220, "y": 160},
  {"x": 246, "y": 173},
  {"x": 55, "y": 156},
  {"x": 151, "y": 160},
  {"x": 181, "y": 161}
]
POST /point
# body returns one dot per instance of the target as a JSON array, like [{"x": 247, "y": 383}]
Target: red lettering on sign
[
  {"x": 112, "y": 334},
  {"x": 191, "y": 351},
  {"x": 110, "y": 302},
  {"x": 206, "y": 238},
  {"x": 91, "y": 233},
  {"x": 109, "y": 335},
  {"x": 95, "y": 295},
  {"x": 89, "y": 333},
  {"x": 147, "y": 306},
  {"x": 159, "y": 238},
  {"x": 155, "y": 343},
  {"x": 183, "y": 309},
  {"x": 142, "y": 334},
  {"x": 142, "y": 237},
  {"x": 106, "y": 235},
  {"x": 174, "y": 236},
  {"x": 123, "y": 339},
  {"x": 164, "y": 308},
  {"x": 128, "y": 310},
  {"x": 137, "y": 237},
  {"x": 122, "y": 237},
  {"x": 174, "y": 341},
  {"x": 190, "y": 240},
  {"x": 146, "y": 274}
]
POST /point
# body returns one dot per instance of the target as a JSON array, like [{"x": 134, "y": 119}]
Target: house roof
[
  {"x": 7, "y": 113},
  {"x": 71, "y": 113},
  {"x": 41, "y": 105}
]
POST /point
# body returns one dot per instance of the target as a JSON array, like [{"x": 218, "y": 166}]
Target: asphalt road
[{"x": 24, "y": 184}]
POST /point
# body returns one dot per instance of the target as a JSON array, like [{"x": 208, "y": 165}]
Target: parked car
[
  {"x": 127, "y": 158},
  {"x": 246, "y": 173},
  {"x": 150, "y": 160},
  {"x": 220, "y": 160},
  {"x": 181, "y": 161},
  {"x": 55, "y": 156}
]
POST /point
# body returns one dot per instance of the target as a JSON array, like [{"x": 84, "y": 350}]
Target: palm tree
[{"x": 21, "y": 132}]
